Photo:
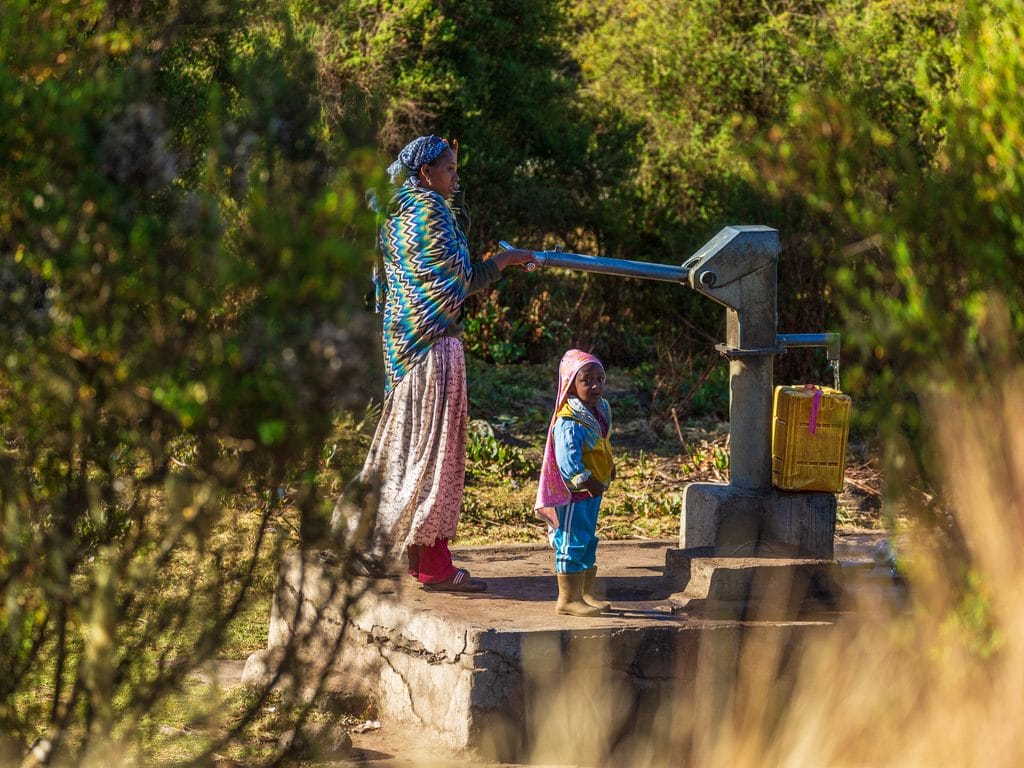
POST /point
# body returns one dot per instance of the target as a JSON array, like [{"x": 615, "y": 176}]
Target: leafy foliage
[
  {"x": 184, "y": 251},
  {"x": 486, "y": 453},
  {"x": 182, "y": 264},
  {"x": 923, "y": 187}
]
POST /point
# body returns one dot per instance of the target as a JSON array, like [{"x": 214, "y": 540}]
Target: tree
[
  {"x": 183, "y": 261},
  {"x": 924, "y": 183}
]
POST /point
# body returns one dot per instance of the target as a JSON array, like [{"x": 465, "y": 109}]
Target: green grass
[
  {"x": 203, "y": 715},
  {"x": 248, "y": 632},
  {"x": 509, "y": 410}
]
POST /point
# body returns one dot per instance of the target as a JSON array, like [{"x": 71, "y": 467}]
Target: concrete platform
[{"x": 502, "y": 675}]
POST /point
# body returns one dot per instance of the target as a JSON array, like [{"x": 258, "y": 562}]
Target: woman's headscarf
[
  {"x": 418, "y": 152},
  {"x": 552, "y": 491}
]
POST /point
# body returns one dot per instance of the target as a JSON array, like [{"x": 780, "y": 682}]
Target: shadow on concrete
[{"x": 625, "y": 588}]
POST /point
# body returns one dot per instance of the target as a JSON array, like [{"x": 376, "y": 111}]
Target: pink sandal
[{"x": 460, "y": 581}]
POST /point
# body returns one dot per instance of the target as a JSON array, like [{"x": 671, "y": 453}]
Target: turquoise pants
[{"x": 575, "y": 541}]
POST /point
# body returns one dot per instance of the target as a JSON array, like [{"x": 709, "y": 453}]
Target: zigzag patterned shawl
[{"x": 426, "y": 261}]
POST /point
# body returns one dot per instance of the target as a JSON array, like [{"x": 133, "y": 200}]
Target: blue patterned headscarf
[{"x": 418, "y": 152}]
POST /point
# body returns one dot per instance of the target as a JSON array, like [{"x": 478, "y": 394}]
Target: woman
[{"x": 417, "y": 460}]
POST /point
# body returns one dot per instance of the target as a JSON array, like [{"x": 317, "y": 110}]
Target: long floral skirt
[{"x": 417, "y": 459}]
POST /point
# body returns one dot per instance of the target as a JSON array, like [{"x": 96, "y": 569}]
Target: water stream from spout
[{"x": 835, "y": 373}]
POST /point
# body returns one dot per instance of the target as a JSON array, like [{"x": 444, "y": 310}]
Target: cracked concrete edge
[
  {"x": 420, "y": 669},
  {"x": 301, "y": 593}
]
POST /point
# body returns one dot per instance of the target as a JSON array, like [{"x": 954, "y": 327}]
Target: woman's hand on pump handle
[{"x": 516, "y": 257}]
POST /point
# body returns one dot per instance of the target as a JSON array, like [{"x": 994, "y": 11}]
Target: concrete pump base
[
  {"x": 502, "y": 675},
  {"x": 770, "y": 523}
]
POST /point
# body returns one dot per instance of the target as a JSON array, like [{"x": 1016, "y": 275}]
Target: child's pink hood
[{"x": 552, "y": 491}]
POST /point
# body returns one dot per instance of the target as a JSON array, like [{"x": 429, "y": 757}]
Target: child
[{"x": 576, "y": 471}]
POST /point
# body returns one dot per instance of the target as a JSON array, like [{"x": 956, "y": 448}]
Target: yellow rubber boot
[
  {"x": 588, "y": 590},
  {"x": 570, "y": 596}
]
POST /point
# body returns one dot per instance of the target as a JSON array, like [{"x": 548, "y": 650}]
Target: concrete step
[{"x": 753, "y": 588}]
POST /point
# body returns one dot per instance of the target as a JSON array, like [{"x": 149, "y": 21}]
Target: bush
[{"x": 183, "y": 258}]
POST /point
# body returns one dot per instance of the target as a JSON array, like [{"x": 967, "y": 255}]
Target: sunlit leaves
[{"x": 182, "y": 258}]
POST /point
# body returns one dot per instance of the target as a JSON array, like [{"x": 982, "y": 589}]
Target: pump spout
[{"x": 830, "y": 341}]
